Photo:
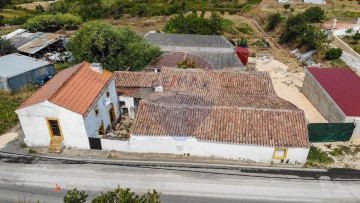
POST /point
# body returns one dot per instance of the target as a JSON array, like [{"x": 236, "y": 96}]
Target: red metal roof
[
  {"x": 342, "y": 85},
  {"x": 242, "y": 50}
]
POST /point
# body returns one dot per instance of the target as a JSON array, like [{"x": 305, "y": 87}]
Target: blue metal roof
[{"x": 15, "y": 64}]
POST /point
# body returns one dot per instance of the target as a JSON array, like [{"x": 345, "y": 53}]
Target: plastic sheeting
[{"x": 330, "y": 132}]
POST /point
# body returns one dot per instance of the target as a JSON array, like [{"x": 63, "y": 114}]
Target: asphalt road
[{"x": 37, "y": 182}]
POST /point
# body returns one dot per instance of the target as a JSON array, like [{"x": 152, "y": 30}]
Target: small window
[
  {"x": 107, "y": 93},
  {"x": 96, "y": 110},
  {"x": 280, "y": 153},
  {"x": 54, "y": 127},
  {"x": 101, "y": 129}
]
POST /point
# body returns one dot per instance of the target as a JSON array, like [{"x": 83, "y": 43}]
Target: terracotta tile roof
[
  {"x": 75, "y": 89},
  {"x": 328, "y": 25},
  {"x": 342, "y": 85},
  {"x": 136, "y": 79},
  {"x": 217, "y": 82},
  {"x": 221, "y": 100},
  {"x": 250, "y": 126}
]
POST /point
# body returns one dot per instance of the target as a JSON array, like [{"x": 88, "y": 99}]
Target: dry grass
[{"x": 32, "y": 6}]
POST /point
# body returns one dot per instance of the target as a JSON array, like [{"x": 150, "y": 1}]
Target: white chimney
[
  {"x": 358, "y": 21},
  {"x": 96, "y": 67},
  {"x": 158, "y": 89},
  {"x": 334, "y": 24}
]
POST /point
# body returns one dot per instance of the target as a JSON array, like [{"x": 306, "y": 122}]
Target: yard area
[
  {"x": 354, "y": 44},
  {"x": 8, "y": 104}
]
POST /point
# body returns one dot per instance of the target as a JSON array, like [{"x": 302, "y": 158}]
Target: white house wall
[
  {"x": 93, "y": 122},
  {"x": 129, "y": 104},
  {"x": 34, "y": 125},
  {"x": 181, "y": 145}
]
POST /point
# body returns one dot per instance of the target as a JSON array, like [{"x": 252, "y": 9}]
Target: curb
[{"x": 134, "y": 163}]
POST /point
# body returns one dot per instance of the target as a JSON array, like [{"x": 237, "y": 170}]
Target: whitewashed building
[
  {"x": 224, "y": 114},
  {"x": 73, "y": 109}
]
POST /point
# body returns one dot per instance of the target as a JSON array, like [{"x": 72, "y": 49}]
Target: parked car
[{"x": 43, "y": 79}]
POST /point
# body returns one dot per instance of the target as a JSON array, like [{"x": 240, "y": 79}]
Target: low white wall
[
  {"x": 130, "y": 105},
  {"x": 342, "y": 31},
  {"x": 184, "y": 145}
]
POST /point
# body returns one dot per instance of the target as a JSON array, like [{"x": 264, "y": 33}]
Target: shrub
[
  {"x": 333, "y": 53},
  {"x": 316, "y": 157},
  {"x": 356, "y": 36},
  {"x": 273, "y": 21},
  {"x": 314, "y": 14},
  {"x": 75, "y": 195},
  {"x": 32, "y": 151},
  {"x": 52, "y": 23},
  {"x": 6, "y": 47}
]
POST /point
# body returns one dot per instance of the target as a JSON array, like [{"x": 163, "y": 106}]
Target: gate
[{"x": 330, "y": 132}]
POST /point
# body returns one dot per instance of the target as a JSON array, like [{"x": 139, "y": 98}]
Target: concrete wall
[
  {"x": 34, "y": 125},
  {"x": 188, "y": 145},
  {"x": 346, "y": 48},
  {"x": 130, "y": 105},
  {"x": 93, "y": 122},
  {"x": 315, "y": 93}
]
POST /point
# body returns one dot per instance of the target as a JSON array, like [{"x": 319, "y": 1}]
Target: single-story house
[
  {"x": 219, "y": 113},
  {"x": 17, "y": 70},
  {"x": 74, "y": 109}
]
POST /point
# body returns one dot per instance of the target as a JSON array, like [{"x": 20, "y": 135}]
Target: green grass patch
[
  {"x": 8, "y": 104},
  {"x": 338, "y": 63},
  {"x": 342, "y": 150},
  {"x": 318, "y": 158},
  {"x": 11, "y": 13},
  {"x": 244, "y": 28}
]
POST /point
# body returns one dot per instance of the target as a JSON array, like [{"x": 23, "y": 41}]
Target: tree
[
  {"x": 286, "y": 7},
  {"x": 3, "y": 3},
  {"x": 186, "y": 63},
  {"x": 6, "y": 47},
  {"x": 53, "y": 23},
  {"x": 292, "y": 9},
  {"x": 193, "y": 24},
  {"x": 273, "y": 21},
  {"x": 75, "y": 196},
  {"x": 333, "y": 53},
  {"x": 115, "y": 48},
  {"x": 314, "y": 14}
]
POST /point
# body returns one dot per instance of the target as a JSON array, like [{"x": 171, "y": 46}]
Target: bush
[
  {"x": 6, "y": 47},
  {"x": 314, "y": 14},
  {"x": 52, "y": 23},
  {"x": 125, "y": 195},
  {"x": 32, "y": 151},
  {"x": 75, "y": 196},
  {"x": 333, "y": 53},
  {"x": 356, "y": 36},
  {"x": 316, "y": 157},
  {"x": 273, "y": 21}
]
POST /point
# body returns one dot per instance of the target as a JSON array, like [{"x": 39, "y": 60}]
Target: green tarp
[{"x": 330, "y": 132}]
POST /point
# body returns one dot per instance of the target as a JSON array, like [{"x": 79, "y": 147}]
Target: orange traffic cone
[{"x": 57, "y": 187}]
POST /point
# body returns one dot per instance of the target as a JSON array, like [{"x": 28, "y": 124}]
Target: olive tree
[{"x": 115, "y": 48}]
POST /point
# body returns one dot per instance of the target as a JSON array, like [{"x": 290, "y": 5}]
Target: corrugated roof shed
[
  {"x": 15, "y": 64},
  {"x": 39, "y": 43},
  {"x": 188, "y": 40},
  {"x": 342, "y": 85},
  {"x": 75, "y": 89}
]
